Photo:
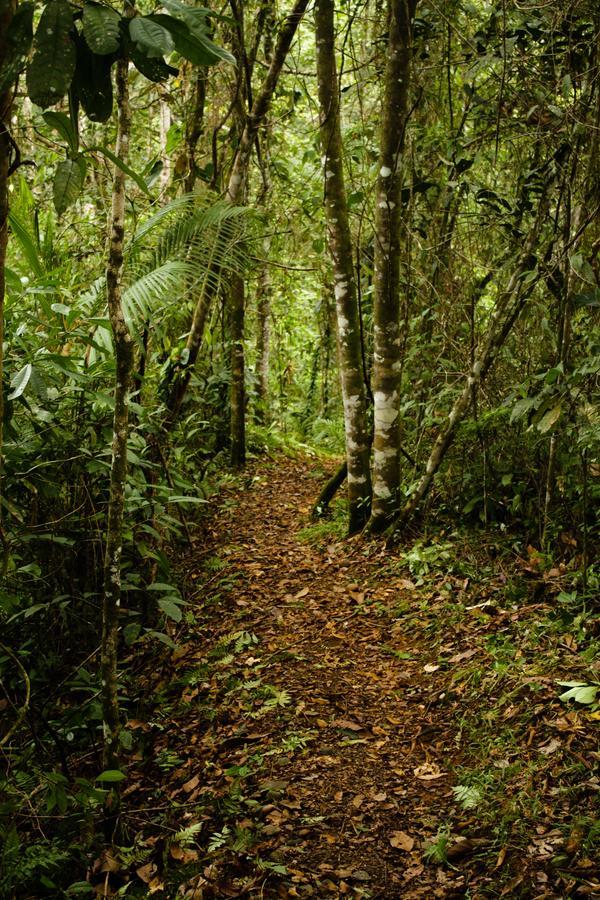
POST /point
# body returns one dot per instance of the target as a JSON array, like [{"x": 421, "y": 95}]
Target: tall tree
[
  {"x": 123, "y": 345},
  {"x": 340, "y": 248},
  {"x": 386, "y": 311}
]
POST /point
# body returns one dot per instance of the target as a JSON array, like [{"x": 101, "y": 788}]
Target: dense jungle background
[{"x": 300, "y": 448}]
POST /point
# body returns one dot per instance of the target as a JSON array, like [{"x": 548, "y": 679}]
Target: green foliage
[
  {"x": 52, "y": 67},
  {"x": 101, "y": 28},
  {"x": 18, "y": 42}
]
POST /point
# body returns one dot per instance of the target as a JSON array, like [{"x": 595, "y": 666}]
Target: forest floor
[{"x": 342, "y": 721}]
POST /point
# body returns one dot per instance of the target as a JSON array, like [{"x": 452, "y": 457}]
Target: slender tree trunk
[
  {"x": 165, "y": 124},
  {"x": 386, "y": 310},
  {"x": 7, "y": 10},
  {"x": 340, "y": 246},
  {"x": 194, "y": 127},
  {"x": 235, "y": 193},
  {"x": 238, "y": 374},
  {"x": 123, "y": 346},
  {"x": 263, "y": 337},
  {"x": 508, "y": 308}
]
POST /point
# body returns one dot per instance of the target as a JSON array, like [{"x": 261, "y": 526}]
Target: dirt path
[
  {"x": 305, "y": 733},
  {"x": 355, "y": 776}
]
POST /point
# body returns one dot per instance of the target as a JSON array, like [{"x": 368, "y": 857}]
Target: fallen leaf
[
  {"x": 190, "y": 785},
  {"x": 182, "y": 855},
  {"x": 400, "y": 840},
  {"x": 430, "y": 667},
  {"x": 459, "y": 657},
  {"x": 348, "y": 723},
  {"x": 550, "y": 747},
  {"x": 428, "y": 772},
  {"x": 146, "y": 873}
]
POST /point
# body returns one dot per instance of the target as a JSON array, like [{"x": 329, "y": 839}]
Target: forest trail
[
  {"x": 354, "y": 790},
  {"x": 303, "y": 720}
]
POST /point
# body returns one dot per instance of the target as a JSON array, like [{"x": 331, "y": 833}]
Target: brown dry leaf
[
  {"x": 430, "y": 667},
  {"x": 146, "y": 873},
  {"x": 501, "y": 858},
  {"x": 190, "y": 785},
  {"x": 107, "y": 863},
  {"x": 428, "y": 772},
  {"x": 550, "y": 747},
  {"x": 358, "y": 801},
  {"x": 301, "y": 593},
  {"x": 182, "y": 855},
  {"x": 509, "y": 888},
  {"x": 349, "y": 724},
  {"x": 413, "y": 872},
  {"x": 459, "y": 657},
  {"x": 400, "y": 840}
]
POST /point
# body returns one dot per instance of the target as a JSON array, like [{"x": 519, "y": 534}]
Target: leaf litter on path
[{"x": 307, "y": 727}]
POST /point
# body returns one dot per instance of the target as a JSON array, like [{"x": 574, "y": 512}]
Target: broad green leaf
[
  {"x": 122, "y": 166},
  {"x": 19, "y": 381},
  {"x": 27, "y": 242},
  {"x": 61, "y": 308},
  {"x": 589, "y": 298},
  {"x": 198, "y": 12},
  {"x": 68, "y": 183},
  {"x": 111, "y": 776},
  {"x": 155, "y": 70},
  {"x": 151, "y": 37},
  {"x": 163, "y": 638},
  {"x": 18, "y": 41},
  {"x": 192, "y": 44},
  {"x": 92, "y": 83},
  {"x": 520, "y": 408},
  {"x": 580, "y": 692},
  {"x": 550, "y": 418},
  {"x": 101, "y": 28},
  {"x": 63, "y": 125},
  {"x": 51, "y": 70},
  {"x": 171, "y": 609}
]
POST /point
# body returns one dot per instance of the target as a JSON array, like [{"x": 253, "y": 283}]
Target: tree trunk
[
  {"x": 7, "y": 10},
  {"x": 123, "y": 347},
  {"x": 238, "y": 384},
  {"x": 340, "y": 246},
  {"x": 508, "y": 308},
  {"x": 386, "y": 309},
  {"x": 263, "y": 338}
]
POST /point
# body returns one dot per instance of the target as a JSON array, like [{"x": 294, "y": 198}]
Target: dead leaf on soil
[
  {"x": 400, "y": 840},
  {"x": 550, "y": 747},
  {"x": 146, "y": 873},
  {"x": 460, "y": 657},
  {"x": 182, "y": 855},
  {"x": 348, "y": 723},
  {"x": 190, "y": 785},
  {"x": 428, "y": 772}
]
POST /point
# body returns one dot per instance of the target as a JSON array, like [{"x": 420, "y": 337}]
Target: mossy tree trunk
[
  {"x": 340, "y": 247},
  {"x": 387, "y": 363},
  {"x": 123, "y": 348}
]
